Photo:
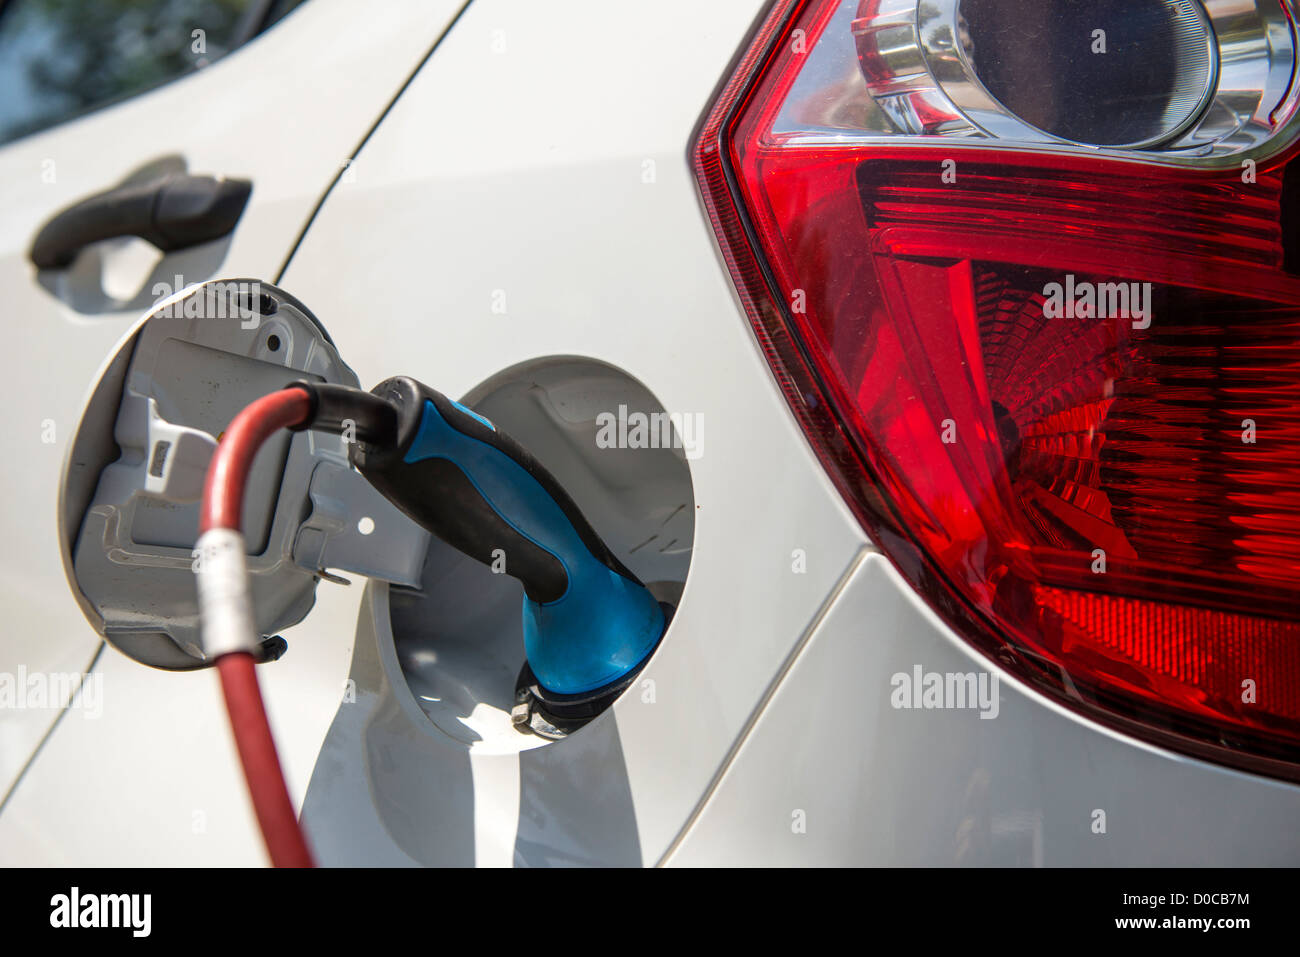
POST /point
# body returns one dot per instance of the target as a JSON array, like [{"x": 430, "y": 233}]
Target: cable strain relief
[{"x": 358, "y": 416}]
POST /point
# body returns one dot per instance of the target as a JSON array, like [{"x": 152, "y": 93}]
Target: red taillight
[{"x": 1060, "y": 385}]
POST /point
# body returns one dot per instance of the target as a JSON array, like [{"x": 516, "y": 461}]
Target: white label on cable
[{"x": 224, "y": 606}]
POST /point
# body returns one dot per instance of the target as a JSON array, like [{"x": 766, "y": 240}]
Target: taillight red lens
[{"x": 1061, "y": 389}]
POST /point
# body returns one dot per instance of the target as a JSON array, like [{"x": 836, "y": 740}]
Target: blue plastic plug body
[{"x": 605, "y": 623}]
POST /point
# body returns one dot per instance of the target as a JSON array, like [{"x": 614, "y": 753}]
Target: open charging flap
[{"x": 131, "y": 486}]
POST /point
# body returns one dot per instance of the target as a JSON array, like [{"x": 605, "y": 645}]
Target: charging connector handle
[{"x": 588, "y": 621}]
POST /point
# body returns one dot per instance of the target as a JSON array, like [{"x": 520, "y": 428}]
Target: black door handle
[{"x": 174, "y": 212}]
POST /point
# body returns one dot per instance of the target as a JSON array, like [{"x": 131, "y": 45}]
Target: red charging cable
[{"x": 227, "y": 620}]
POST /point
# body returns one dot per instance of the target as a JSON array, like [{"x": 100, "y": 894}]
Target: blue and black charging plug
[{"x": 589, "y": 623}]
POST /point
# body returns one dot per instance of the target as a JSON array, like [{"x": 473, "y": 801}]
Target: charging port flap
[{"x": 129, "y": 502}]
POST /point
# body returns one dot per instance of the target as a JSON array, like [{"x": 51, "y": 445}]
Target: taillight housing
[{"x": 1051, "y": 359}]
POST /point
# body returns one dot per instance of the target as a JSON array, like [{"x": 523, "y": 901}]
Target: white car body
[{"x": 538, "y": 158}]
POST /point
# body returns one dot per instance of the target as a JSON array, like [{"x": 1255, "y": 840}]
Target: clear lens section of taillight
[
  {"x": 1188, "y": 82},
  {"x": 1039, "y": 316}
]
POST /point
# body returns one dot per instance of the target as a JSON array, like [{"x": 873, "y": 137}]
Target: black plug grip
[{"x": 479, "y": 490}]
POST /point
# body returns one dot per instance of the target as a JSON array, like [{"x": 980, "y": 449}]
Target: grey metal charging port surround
[{"x": 131, "y": 486}]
